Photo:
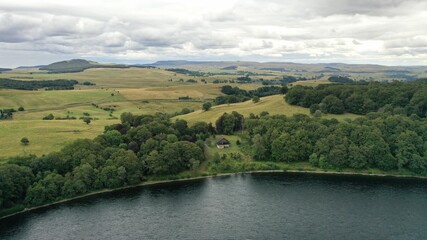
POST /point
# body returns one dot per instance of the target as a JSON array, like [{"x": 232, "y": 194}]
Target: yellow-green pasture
[
  {"x": 312, "y": 83},
  {"x": 197, "y": 91},
  {"x": 120, "y": 78},
  {"x": 73, "y": 103},
  {"x": 272, "y": 104},
  {"x": 45, "y": 136},
  {"x": 205, "y": 91},
  {"x": 105, "y": 77},
  {"x": 135, "y": 107},
  {"x": 48, "y": 135},
  {"x": 35, "y": 100}
]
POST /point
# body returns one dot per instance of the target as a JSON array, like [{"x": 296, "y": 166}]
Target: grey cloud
[
  {"x": 239, "y": 29},
  {"x": 413, "y": 42},
  {"x": 352, "y": 7},
  {"x": 113, "y": 39},
  {"x": 16, "y": 28}
]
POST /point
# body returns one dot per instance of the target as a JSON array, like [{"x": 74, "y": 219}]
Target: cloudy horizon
[{"x": 388, "y": 32}]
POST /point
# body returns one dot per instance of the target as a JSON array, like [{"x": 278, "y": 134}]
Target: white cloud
[{"x": 381, "y": 31}]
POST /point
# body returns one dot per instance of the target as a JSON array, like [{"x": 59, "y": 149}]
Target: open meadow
[
  {"x": 271, "y": 104},
  {"x": 44, "y": 136},
  {"x": 123, "y": 78}
]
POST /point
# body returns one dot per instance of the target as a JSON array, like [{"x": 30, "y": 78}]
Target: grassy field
[
  {"x": 199, "y": 91},
  {"x": 45, "y": 136},
  {"x": 272, "y": 104},
  {"x": 36, "y": 100},
  {"x": 312, "y": 83},
  {"x": 74, "y": 103},
  {"x": 196, "y": 92},
  {"x": 136, "y": 107},
  {"x": 106, "y": 77},
  {"x": 120, "y": 78},
  {"x": 212, "y": 148}
]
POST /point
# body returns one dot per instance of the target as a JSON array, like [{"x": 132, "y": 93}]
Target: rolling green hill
[
  {"x": 77, "y": 65},
  {"x": 272, "y": 104}
]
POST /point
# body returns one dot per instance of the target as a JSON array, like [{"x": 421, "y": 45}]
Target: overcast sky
[{"x": 391, "y": 32}]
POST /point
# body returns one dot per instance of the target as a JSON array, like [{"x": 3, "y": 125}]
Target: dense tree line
[
  {"x": 397, "y": 97},
  {"x": 236, "y": 94},
  {"x": 340, "y": 79},
  {"x": 126, "y": 154},
  {"x": 244, "y": 79},
  {"x": 6, "y": 113},
  {"x": 381, "y": 141},
  {"x": 87, "y": 83},
  {"x": 187, "y": 72},
  {"x": 289, "y": 79},
  {"x": 59, "y": 84}
]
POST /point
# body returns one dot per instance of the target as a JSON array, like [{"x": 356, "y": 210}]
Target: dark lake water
[{"x": 256, "y": 206}]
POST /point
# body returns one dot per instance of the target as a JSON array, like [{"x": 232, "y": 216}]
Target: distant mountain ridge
[
  {"x": 406, "y": 73},
  {"x": 360, "y": 71},
  {"x": 232, "y": 64}
]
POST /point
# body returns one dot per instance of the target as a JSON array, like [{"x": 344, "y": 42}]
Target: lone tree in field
[
  {"x": 86, "y": 120},
  {"x": 206, "y": 106},
  {"x": 255, "y": 99},
  {"x": 25, "y": 141}
]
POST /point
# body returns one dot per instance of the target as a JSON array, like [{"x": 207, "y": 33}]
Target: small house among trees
[{"x": 222, "y": 143}]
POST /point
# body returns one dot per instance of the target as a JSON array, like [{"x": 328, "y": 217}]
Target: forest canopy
[
  {"x": 236, "y": 94},
  {"x": 399, "y": 97},
  {"x": 380, "y": 141}
]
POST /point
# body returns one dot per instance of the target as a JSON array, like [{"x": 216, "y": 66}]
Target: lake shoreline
[{"x": 163, "y": 182}]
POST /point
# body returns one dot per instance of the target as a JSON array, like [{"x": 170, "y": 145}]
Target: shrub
[
  {"x": 25, "y": 141},
  {"x": 49, "y": 117}
]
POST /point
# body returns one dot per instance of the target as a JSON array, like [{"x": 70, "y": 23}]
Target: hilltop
[
  {"x": 77, "y": 65},
  {"x": 74, "y": 65}
]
